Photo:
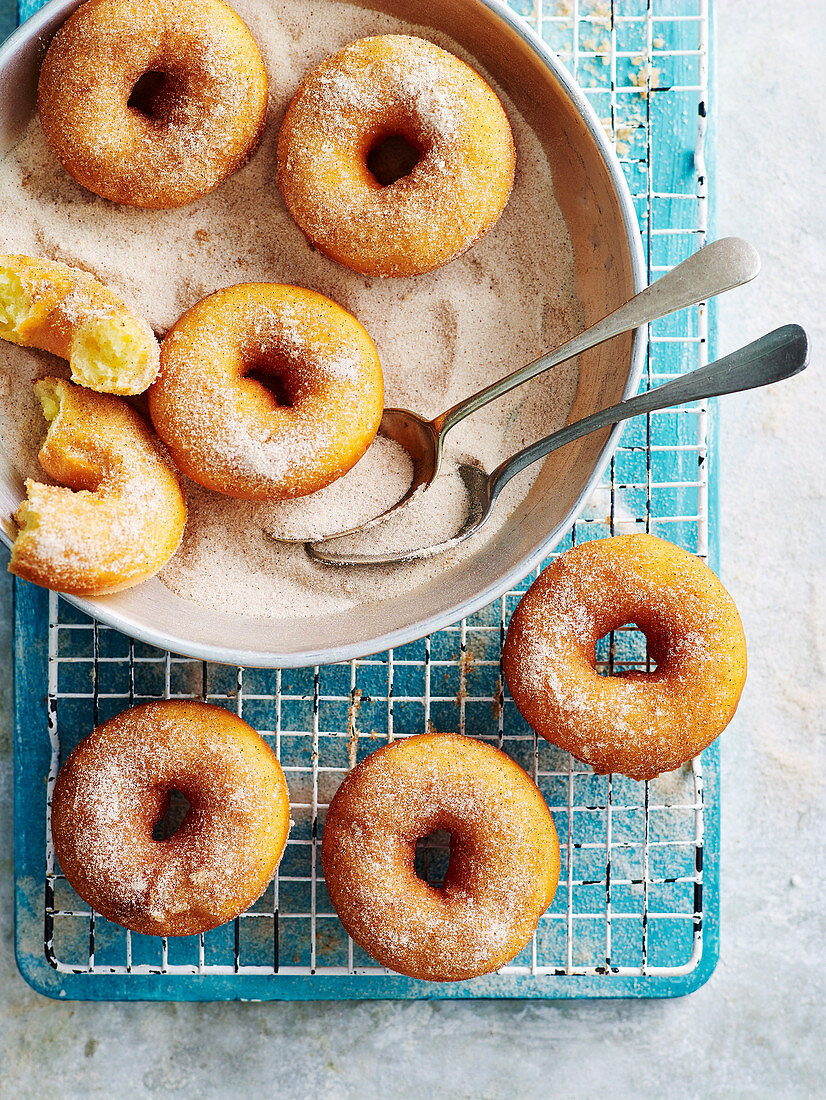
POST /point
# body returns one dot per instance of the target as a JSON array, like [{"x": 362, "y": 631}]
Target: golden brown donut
[
  {"x": 152, "y": 104},
  {"x": 66, "y": 311},
  {"x": 115, "y": 788},
  {"x": 636, "y": 723},
  {"x": 118, "y": 515},
  {"x": 395, "y": 86},
  {"x": 504, "y": 857},
  {"x": 313, "y": 421}
]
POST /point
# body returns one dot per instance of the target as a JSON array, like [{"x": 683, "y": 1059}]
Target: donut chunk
[
  {"x": 117, "y": 515},
  {"x": 115, "y": 787},
  {"x": 61, "y": 309},
  {"x": 310, "y": 420},
  {"x": 395, "y": 86},
  {"x": 504, "y": 857},
  {"x": 152, "y": 104},
  {"x": 636, "y": 723}
]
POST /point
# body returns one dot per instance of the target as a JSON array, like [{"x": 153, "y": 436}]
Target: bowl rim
[{"x": 98, "y": 610}]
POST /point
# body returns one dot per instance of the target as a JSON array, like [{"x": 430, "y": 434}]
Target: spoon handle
[
  {"x": 775, "y": 356},
  {"x": 719, "y": 266}
]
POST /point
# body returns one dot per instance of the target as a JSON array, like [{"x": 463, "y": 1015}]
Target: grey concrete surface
[{"x": 756, "y": 1029}]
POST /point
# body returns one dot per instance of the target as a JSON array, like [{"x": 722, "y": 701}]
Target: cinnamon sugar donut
[
  {"x": 636, "y": 723},
  {"x": 395, "y": 86},
  {"x": 504, "y": 857},
  {"x": 66, "y": 311},
  {"x": 306, "y": 425},
  {"x": 118, "y": 515},
  {"x": 115, "y": 787},
  {"x": 152, "y": 104}
]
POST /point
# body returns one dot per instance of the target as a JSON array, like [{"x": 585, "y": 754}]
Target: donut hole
[
  {"x": 177, "y": 809},
  {"x": 392, "y": 158},
  {"x": 144, "y": 96},
  {"x": 155, "y": 94},
  {"x": 433, "y": 857},
  {"x": 626, "y": 648},
  {"x": 274, "y": 383}
]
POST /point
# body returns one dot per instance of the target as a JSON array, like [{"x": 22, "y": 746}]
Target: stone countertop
[{"x": 756, "y": 1028}]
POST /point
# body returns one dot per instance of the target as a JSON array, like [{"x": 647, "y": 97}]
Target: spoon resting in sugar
[
  {"x": 718, "y": 267},
  {"x": 779, "y": 354}
]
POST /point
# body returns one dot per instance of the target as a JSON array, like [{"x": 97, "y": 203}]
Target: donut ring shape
[
  {"x": 66, "y": 311},
  {"x": 201, "y": 114},
  {"x": 388, "y": 86},
  {"x": 504, "y": 856},
  {"x": 638, "y": 723},
  {"x": 229, "y": 432},
  {"x": 118, "y": 515},
  {"x": 115, "y": 787}
]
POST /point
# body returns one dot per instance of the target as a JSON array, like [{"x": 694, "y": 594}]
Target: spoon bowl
[{"x": 420, "y": 438}]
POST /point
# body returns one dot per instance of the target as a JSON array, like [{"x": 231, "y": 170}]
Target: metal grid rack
[{"x": 630, "y": 916}]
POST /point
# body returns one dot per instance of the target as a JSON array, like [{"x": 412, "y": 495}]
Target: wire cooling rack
[{"x": 636, "y": 909}]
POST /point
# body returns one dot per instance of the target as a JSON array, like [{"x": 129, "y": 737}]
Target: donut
[
  {"x": 61, "y": 309},
  {"x": 395, "y": 87},
  {"x": 118, "y": 513},
  {"x": 637, "y": 723},
  {"x": 504, "y": 856},
  {"x": 308, "y": 421},
  {"x": 151, "y": 104},
  {"x": 115, "y": 788}
]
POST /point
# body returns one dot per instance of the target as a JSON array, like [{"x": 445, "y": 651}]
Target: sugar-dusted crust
[
  {"x": 115, "y": 787},
  {"x": 61, "y": 309},
  {"x": 636, "y": 723},
  {"x": 118, "y": 513},
  {"x": 200, "y": 121},
  {"x": 395, "y": 85},
  {"x": 504, "y": 856},
  {"x": 229, "y": 432}
]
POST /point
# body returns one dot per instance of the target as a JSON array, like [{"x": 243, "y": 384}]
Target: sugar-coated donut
[
  {"x": 310, "y": 424},
  {"x": 504, "y": 856},
  {"x": 64, "y": 310},
  {"x": 395, "y": 86},
  {"x": 117, "y": 515},
  {"x": 152, "y": 104},
  {"x": 115, "y": 788},
  {"x": 636, "y": 723}
]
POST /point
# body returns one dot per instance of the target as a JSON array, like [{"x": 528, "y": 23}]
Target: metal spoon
[
  {"x": 719, "y": 266},
  {"x": 778, "y": 355}
]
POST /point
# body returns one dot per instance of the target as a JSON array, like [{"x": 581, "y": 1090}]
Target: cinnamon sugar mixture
[{"x": 440, "y": 336}]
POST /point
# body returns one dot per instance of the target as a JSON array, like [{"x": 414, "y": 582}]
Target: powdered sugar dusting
[
  {"x": 636, "y": 722},
  {"x": 115, "y": 787},
  {"x": 504, "y": 859},
  {"x": 411, "y": 80},
  {"x": 197, "y": 124},
  {"x": 395, "y": 85},
  {"x": 229, "y": 431}
]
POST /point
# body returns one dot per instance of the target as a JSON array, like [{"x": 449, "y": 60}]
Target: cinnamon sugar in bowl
[{"x": 557, "y": 133}]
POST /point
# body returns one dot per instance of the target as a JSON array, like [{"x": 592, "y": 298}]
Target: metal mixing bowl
[{"x": 609, "y": 266}]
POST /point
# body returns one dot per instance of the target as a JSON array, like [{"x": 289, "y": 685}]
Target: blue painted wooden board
[{"x": 648, "y": 933}]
